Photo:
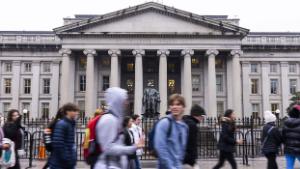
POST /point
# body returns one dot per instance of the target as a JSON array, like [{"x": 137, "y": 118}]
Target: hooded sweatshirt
[
  {"x": 114, "y": 152},
  {"x": 170, "y": 150}
]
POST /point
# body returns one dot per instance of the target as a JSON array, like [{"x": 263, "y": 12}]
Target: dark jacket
[
  {"x": 63, "y": 155},
  {"x": 227, "y": 141},
  {"x": 191, "y": 153},
  {"x": 12, "y": 130},
  {"x": 291, "y": 135},
  {"x": 129, "y": 141},
  {"x": 271, "y": 142}
]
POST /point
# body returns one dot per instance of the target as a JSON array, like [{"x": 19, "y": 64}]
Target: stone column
[
  {"x": 91, "y": 87},
  {"x": 114, "y": 69},
  {"x": 285, "y": 92},
  {"x": 138, "y": 81},
  {"x": 265, "y": 81},
  {"x": 67, "y": 77},
  {"x": 246, "y": 89},
  {"x": 236, "y": 79},
  {"x": 16, "y": 68},
  {"x": 1, "y": 91},
  {"x": 211, "y": 84},
  {"x": 35, "y": 92},
  {"x": 229, "y": 86},
  {"x": 54, "y": 88},
  {"x": 187, "y": 77},
  {"x": 163, "y": 80}
]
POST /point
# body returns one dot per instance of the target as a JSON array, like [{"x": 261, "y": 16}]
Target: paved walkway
[{"x": 257, "y": 163}]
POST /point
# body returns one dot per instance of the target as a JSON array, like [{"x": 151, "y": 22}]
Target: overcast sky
[{"x": 256, "y": 15}]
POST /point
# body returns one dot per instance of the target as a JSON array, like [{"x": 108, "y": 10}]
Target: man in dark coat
[
  {"x": 63, "y": 155},
  {"x": 191, "y": 154}
]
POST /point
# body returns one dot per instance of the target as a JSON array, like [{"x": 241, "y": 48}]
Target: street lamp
[{"x": 25, "y": 112}]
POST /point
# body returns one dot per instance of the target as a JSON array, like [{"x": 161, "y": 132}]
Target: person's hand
[
  {"x": 47, "y": 131},
  {"x": 240, "y": 141},
  {"x": 141, "y": 143},
  {"x": 5, "y": 146}
]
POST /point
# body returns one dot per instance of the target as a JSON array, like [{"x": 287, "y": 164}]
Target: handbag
[{"x": 8, "y": 158}]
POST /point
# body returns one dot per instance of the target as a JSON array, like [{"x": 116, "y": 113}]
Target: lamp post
[
  {"x": 25, "y": 112},
  {"x": 277, "y": 113}
]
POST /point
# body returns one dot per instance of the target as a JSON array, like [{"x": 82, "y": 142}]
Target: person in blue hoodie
[
  {"x": 171, "y": 149},
  {"x": 63, "y": 155}
]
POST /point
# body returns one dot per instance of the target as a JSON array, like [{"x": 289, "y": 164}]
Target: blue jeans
[
  {"x": 137, "y": 162},
  {"x": 290, "y": 161}
]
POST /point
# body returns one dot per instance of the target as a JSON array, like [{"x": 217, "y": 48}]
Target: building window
[
  {"x": 274, "y": 86},
  {"x": 255, "y": 110},
  {"x": 27, "y": 86},
  {"x": 82, "y": 83},
  {"x": 292, "y": 68},
  {"x": 81, "y": 105},
  {"x": 293, "y": 86},
  {"x": 106, "y": 62},
  {"x": 274, "y": 107},
  {"x": 8, "y": 67},
  {"x": 46, "y": 67},
  {"x": 130, "y": 85},
  {"x": 273, "y": 68},
  {"x": 45, "y": 110},
  {"x": 46, "y": 86},
  {"x": 254, "y": 68},
  {"x": 6, "y": 107},
  {"x": 27, "y": 67},
  {"x": 254, "y": 86},
  {"x": 130, "y": 67},
  {"x": 105, "y": 83},
  {"x": 219, "y": 80},
  {"x": 82, "y": 63},
  {"x": 219, "y": 63},
  {"x": 171, "y": 67},
  {"x": 220, "y": 108},
  {"x": 195, "y": 62},
  {"x": 171, "y": 86},
  {"x": 7, "y": 86},
  {"x": 196, "y": 83}
]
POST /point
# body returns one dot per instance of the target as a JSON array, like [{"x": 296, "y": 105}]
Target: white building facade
[{"x": 209, "y": 59}]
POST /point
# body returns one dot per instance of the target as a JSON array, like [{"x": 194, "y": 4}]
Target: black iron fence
[{"x": 248, "y": 129}]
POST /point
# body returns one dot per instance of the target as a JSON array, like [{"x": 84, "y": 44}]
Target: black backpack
[{"x": 151, "y": 136}]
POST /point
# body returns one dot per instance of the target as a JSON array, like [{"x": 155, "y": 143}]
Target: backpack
[
  {"x": 151, "y": 136},
  {"x": 91, "y": 149}
]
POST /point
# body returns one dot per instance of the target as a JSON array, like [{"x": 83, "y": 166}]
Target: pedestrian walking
[
  {"x": 109, "y": 132},
  {"x": 227, "y": 140},
  {"x": 191, "y": 153},
  {"x": 171, "y": 135},
  {"x": 63, "y": 154},
  {"x": 138, "y": 135},
  {"x": 271, "y": 140},
  {"x": 291, "y": 135}
]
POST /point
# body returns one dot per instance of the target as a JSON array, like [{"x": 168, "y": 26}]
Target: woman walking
[
  {"x": 227, "y": 141},
  {"x": 271, "y": 140}
]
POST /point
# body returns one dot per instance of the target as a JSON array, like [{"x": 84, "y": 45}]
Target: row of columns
[{"x": 67, "y": 89}]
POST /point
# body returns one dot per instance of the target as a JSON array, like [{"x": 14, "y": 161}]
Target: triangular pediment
[{"x": 151, "y": 18}]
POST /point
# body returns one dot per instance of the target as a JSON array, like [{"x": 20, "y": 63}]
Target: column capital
[
  {"x": 90, "y": 52},
  {"x": 163, "y": 52},
  {"x": 236, "y": 52},
  {"x": 65, "y": 51},
  {"x": 187, "y": 52},
  {"x": 114, "y": 52},
  {"x": 139, "y": 52},
  {"x": 212, "y": 52}
]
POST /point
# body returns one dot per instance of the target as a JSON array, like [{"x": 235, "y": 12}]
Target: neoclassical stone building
[{"x": 210, "y": 59}]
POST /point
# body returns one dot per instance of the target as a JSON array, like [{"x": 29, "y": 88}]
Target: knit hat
[{"x": 269, "y": 116}]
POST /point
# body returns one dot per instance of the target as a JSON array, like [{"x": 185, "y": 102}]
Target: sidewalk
[{"x": 257, "y": 163}]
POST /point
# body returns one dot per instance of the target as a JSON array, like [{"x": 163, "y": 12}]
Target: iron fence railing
[{"x": 248, "y": 129}]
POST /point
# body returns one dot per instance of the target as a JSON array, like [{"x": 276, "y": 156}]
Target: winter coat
[
  {"x": 271, "y": 141},
  {"x": 291, "y": 135},
  {"x": 129, "y": 141},
  {"x": 63, "y": 155},
  {"x": 170, "y": 150},
  {"x": 227, "y": 140},
  {"x": 191, "y": 153},
  {"x": 12, "y": 131}
]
